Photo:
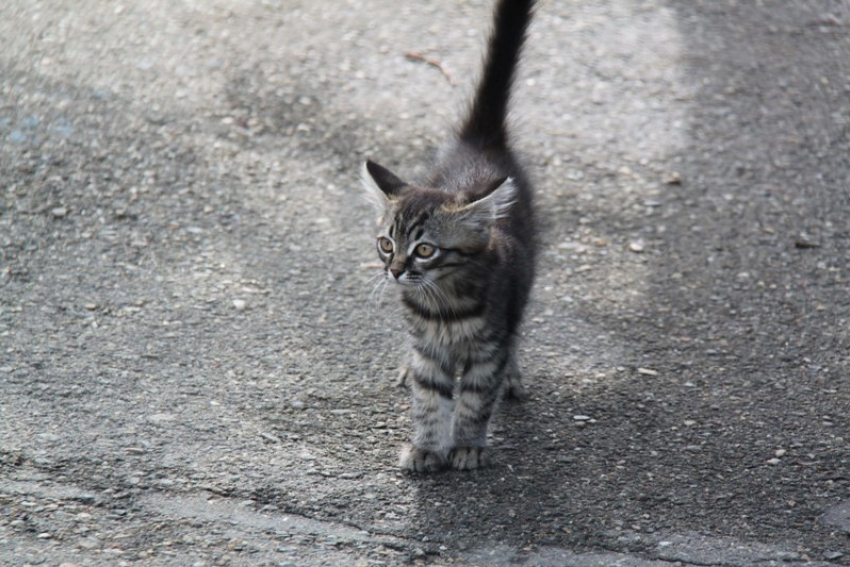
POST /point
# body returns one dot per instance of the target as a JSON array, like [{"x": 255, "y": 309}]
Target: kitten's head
[{"x": 428, "y": 234}]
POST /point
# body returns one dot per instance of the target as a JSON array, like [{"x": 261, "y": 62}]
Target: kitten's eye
[
  {"x": 385, "y": 244},
  {"x": 425, "y": 250}
]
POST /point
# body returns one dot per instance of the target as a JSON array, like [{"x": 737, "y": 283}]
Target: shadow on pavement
[{"x": 738, "y": 426}]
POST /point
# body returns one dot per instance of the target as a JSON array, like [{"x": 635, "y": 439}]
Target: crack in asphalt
[
  {"x": 225, "y": 510},
  {"x": 682, "y": 549}
]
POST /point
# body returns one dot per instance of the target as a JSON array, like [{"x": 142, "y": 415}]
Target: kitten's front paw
[
  {"x": 468, "y": 458},
  {"x": 415, "y": 459}
]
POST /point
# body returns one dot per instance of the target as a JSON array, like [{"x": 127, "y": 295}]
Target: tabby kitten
[{"x": 461, "y": 246}]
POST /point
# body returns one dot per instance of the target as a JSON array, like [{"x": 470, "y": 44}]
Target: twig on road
[{"x": 416, "y": 56}]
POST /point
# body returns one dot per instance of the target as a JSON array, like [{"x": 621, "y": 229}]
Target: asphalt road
[{"x": 194, "y": 369}]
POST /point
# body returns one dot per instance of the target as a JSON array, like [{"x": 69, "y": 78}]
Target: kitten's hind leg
[
  {"x": 405, "y": 372},
  {"x": 514, "y": 390},
  {"x": 402, "y": 377}
]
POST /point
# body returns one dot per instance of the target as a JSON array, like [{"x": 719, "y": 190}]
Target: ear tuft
[
  {"x": 494, "y": 202},
  {"x": 503, "y": 194},
  {"x": 373, "y": 193}
]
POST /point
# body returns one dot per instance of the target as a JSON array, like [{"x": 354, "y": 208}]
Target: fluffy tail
[{"x": 486, "y": 123}]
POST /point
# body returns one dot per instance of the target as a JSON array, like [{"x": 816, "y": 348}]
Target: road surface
[{"x": 194, "y": 369}]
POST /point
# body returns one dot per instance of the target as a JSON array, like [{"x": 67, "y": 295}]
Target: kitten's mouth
[{"x": 400, "y": 279}]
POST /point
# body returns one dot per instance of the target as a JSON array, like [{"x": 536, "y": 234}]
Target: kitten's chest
[{"x": 457, "y": 337}]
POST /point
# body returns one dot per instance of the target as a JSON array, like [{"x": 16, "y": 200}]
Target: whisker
[
  {"x": 375, "y": 282},
  {"x": 425, "y": 289},
  {"x": 379, "y": 285},
  {"x": 378, "y": 293},
  {"x": 439, "y": 298}
]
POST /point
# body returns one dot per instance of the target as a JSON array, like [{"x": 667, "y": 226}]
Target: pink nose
[{"x": 395, "y": 272}]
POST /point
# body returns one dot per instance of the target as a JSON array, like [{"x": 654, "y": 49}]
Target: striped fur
[{"x": 461, "y": 246}]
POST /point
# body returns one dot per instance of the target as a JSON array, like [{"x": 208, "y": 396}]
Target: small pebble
[
  {"x": 805, "y": 243},
  {"x": 780, "y": 452},
  {"x": 59, "y": 212},
  {"x": 647, "y": 372},
  {"x": 269, "y": 437},
  {"x": 239, "y": 304},
  {"x": 581, "y": 417},
  {"x": 637, "y": 246}
]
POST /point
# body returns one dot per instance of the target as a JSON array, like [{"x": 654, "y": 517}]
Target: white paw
[
  {"x": 468, "y": 458},
  {"x": 415, "y": 459}
]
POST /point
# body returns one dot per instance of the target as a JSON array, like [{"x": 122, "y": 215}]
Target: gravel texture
[{"x": 194, "y": 369}]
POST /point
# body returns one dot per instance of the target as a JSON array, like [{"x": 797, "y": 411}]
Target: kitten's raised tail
[{"x": 485, "y": 124}]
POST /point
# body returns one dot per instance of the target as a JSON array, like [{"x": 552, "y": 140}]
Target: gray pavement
[{"x": 194, "y": 369}]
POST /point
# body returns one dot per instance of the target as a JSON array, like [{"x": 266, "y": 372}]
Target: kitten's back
[{"x": 481, "y": 152}]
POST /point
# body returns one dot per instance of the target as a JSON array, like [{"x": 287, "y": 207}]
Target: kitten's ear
[
  {"x": 492, "y": 203},
  {"x": 381, "y": 183}
]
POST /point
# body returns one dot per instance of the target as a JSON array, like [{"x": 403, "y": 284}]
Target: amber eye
[
  {"x": 424, "y": 250},
  {"x": 385, "y": 244}
]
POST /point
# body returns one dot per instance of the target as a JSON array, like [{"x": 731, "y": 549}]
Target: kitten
[{"x": 461, "y": 246}]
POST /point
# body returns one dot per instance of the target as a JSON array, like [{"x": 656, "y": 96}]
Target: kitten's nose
[{"x": 395, "y": 272}]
